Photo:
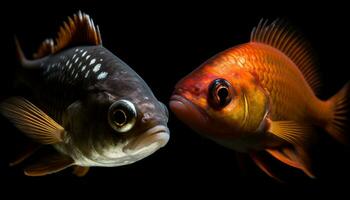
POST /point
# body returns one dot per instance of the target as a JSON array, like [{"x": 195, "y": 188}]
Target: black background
[{"x": 163, "y": 42}]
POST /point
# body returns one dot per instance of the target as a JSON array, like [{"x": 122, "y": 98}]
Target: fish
[
  {"x": 85, "y": 102},
  {"x": 260, "y": 98}
]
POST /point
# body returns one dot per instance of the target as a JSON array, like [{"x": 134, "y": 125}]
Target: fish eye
[
  {"x": 122, "y": 116},
  {"x": 220, "y": 93}
]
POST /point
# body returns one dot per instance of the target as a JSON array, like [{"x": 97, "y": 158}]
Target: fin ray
[
  {"x": 32, "y": 121},
  {"x": 278, "y": 35},
  {"x": 78, "y": 30},
  {"x": 338, "y": 123}
]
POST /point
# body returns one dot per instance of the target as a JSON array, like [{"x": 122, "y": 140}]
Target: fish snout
[
  {"x": 157, "y": 136},
  {"x": 187, "y": 112}
]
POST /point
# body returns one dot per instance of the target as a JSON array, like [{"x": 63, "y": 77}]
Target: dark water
[{"x": 164, "y": 42}]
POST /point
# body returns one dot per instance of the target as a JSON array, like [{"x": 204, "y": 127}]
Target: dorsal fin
[
  {"x": 279, "y": 35},
  {"x": 79, "y": 30}
]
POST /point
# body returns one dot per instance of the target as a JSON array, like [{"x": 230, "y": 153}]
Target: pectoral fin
[
  {"x": 298, "y": 136},
  {"x": 290, "y": 131},
  {"x": 32, "y": 121},
  {"x": 49, "y": 165}
]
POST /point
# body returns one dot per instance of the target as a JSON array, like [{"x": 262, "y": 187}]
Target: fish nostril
[
  {"x": 196, "y": 89},
  {"x": 146, "y": 117},
  {"x": 179, "y": 90}
]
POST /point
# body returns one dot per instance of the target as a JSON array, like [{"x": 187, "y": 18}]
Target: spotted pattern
[{"x": 74, "y": 67}]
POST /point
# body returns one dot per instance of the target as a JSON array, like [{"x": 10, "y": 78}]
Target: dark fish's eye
[
  {"x": 119, "y": 117},
  {"x": 220, "y": 93},
  {"x": 122, "y": 115}
]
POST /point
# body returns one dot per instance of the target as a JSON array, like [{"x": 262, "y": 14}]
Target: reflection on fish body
[
  {"x": 261, "y": 96},
  {"x": 87, "y": 103}
]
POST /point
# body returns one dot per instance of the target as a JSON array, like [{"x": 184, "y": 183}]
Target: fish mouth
[
  {"x": 157, "y": 136},
  {"x": 188, "y": 112}
]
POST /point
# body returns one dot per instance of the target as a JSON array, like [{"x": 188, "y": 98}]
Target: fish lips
[
  {"x": 188, "y": 112},
  {"x": 157, "y": 135}
]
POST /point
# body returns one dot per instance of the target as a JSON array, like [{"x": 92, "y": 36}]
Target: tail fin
[
  {"x": 339, "y": 121},
  {"x": 19, "y": 52},
  {"x": 23, "y": 60}
]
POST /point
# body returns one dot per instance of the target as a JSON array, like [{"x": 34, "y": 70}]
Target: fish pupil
[
  {"x": 223, "y": 94},
  {"x": 119, "y": 117}
]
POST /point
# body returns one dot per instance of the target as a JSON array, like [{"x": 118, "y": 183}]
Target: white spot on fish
[
  {"x": 87, "y": 57},
  {"x": 83, "y": 54},
  {"x": 76, "y": 75},
  {"x": 81, "y": 50},
  {"x": 76, "y": 50},
  {"x": 83, "y": 68},
  {"x": 76, "y": 60},
  {"x": 67, "y": 63},
  {"x": 101, "y": 59},
  {"x": 70, "y": 65},
  {"x": 72, "y": 71},
  {"x": 79, "y": 64},
  {"x": 92, "y": 61},
  {"x": 74, "y": 56},
  {"x": 87, "y": 73},
  {"x": 97, "y": 67},
  {"x": 102, "y": 75}
]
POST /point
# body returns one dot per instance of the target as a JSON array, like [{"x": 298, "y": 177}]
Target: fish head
[
  {"x": 121, "y": 125},
  {"x": 220, "y": 102}
]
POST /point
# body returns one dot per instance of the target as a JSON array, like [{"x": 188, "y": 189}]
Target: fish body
[
  {"x": 85, "y": 102},
  {"x": 261, "y": 96}
]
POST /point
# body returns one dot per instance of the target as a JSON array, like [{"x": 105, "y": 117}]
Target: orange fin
[
  {"x": 263, "y": 166},
  {"x": 338, "y": 125},
  {"x": 79, "y": 30},
  {"x": 281, "y": 36},
  {"x": 49, "y": 165},
  {"x": 80, "y": 171},
  {"x": 290, "y": 131},
  {"x": 32, "y": 121},
  {"x": 29, "y": 150},
  {"x": 298, "y": 135},
  {"x": 46, "y": 48},
  {"x": 294, "y": 157}
]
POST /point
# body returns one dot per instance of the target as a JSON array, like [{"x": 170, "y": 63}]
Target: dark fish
[{"x": 86, "y": 102}]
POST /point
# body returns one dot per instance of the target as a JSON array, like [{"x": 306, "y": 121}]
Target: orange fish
[{"x": 261, "y": 96}]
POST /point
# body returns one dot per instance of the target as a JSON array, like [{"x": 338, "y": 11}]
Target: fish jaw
[
  {"x": 187, "y": 112},
  {"x": 124, "y": 153},
  {"x": 158, "y": 135}
]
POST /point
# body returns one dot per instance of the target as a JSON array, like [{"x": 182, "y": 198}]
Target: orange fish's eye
[{"x": 220, "y": 93}]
